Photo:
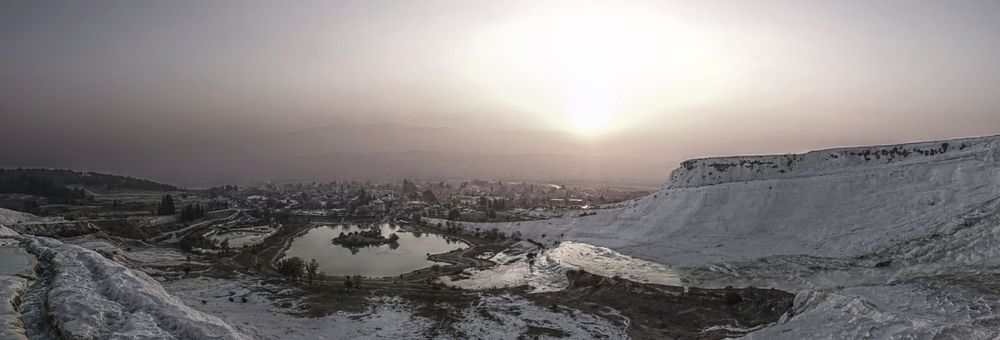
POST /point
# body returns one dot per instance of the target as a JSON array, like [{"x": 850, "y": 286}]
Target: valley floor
[{"x": 159, "y": 291}]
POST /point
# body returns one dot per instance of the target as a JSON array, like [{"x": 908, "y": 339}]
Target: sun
[
  {"x": 589, "y": 123},
  {"x": 588, "y": 108},
  {"x": 582, "y": 68}
]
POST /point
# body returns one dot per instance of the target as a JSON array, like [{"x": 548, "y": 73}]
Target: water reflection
[
  {"x": 15, "y": 261},
  {"x": 392, "y": 259}
]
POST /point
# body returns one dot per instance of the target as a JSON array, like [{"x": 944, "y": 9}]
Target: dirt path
[{"x": 174, "y": 236}]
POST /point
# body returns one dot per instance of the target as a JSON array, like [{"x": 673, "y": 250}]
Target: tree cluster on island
[{"x": 370, "y": 237}]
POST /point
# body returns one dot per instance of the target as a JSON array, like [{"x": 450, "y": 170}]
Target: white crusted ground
[
  {"x": 506, "y": 316},
  {"x": 491, "y": 317},
  {"x": 548, "y": 272},
  {"x": 260, "y": 317},
  {"x": 8, "y": 216}
]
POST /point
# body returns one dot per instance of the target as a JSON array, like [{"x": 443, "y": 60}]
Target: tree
[
  {"x": 292, "y": 267},
  {"x": 429, "y": 197},
  {"x": 409, "y": 189},
  {"x": 454, "y": 214},
  {"x": 166, "y": 206},
  {"x": 311, "y": 269},
  {"x": 224, "y": 245},
  {"x": 192, "y": 212},
  {"x": 732, "y": 298},
  {"x": 417, "y": 219}
]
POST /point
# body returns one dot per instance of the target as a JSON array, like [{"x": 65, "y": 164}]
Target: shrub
[
  {"x": 732, "y": 298},
  {"x": 292, "y": 267}
]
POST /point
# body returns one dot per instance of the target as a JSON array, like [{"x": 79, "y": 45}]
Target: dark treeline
[
  {"x": 29, "y": 185},
  {"x": 63, "y": 177}
]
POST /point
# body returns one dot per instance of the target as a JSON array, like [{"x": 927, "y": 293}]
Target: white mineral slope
[
  {"x": 91, "y": 297},
  {"x": 964, "y": 248},
  {"x": 547, "y": 273},
  {"x": 942, "y": 286},
  {"x": 912, "y": 311},
  {"x": 830, "y": 203}
]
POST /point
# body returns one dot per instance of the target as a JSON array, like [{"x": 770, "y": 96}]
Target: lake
[{"x": 377, "y": 261}]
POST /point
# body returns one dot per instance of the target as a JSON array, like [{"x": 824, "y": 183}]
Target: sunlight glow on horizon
[{"x": 589, "y": 70}]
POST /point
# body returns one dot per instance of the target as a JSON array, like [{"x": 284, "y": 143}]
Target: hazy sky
[{"x": 737, "y": 76}]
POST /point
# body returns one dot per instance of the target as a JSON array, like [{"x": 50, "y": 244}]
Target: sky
[{"x": 82, "y": 80}]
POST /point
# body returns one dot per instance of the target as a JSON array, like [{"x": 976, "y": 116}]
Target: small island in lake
[{"x": 370, "y": 237}]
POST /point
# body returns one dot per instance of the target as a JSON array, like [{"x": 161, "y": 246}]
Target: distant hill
[{"x": 54, "y": 183}]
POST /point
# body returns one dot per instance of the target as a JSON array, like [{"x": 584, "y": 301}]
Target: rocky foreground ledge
[
  {"x": 92, "y": 297},
  {"x": 671, "y": 312}
]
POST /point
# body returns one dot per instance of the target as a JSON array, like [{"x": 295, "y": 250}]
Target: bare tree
[{"x": 311, "y": 270}]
